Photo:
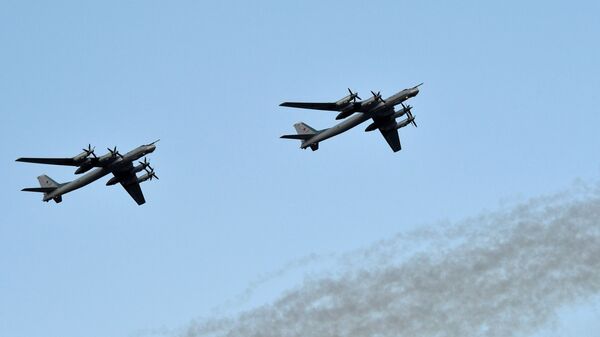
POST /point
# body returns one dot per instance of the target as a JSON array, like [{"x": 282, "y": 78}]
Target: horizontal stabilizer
[
  {"x": 300, "y": 137},
  {"x": 39, "y": 189}
]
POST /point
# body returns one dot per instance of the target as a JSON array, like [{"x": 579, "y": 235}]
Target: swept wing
[
  {"x": 129, "y": 181},
  {"x": 387, "y": 127},
  {"x": 313, "y": 106},
  {"x": 51, "y": 161},
  {"x": 135, "y": 191}
]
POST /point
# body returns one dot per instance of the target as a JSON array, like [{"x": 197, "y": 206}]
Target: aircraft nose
[{"x": 151, "y": 148}]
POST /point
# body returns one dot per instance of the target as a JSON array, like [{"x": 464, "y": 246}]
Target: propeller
[
  {"x": 378, "y": 96},
  {"x": 411, "y": 117},
  {"x": 90, "y": 151},
  {"x": 114, "y": 152},
  {"x": 151, "y": 174},
  {"x": 145, "y": 164},
  {"x": 354, "y": 95}
]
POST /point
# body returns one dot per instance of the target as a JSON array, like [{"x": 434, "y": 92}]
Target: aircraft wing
[
  {"x": 313, "y": 106},
  {"x": 387, "y": 127},
  {"x": 62, "y": 161},
  {"x": 51, "y": 161},
  {"x": 135, "y": 191},
  {"x": 129, "y": 182},
  {"x": 392, "y": 138}
]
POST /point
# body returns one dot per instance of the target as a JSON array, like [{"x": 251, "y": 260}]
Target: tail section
[
  {"x": 47, "y": 186},
  {"x": 46, "y": 181},
  {"x": 304, "y": 132},
  {"x": 304, "y": 129}
]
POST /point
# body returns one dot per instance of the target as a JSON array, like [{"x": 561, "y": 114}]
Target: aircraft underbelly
[{"x": 338, "y": 129}]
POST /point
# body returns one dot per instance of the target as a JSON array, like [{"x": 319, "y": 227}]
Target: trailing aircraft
[{"x": 121, "y": 166}]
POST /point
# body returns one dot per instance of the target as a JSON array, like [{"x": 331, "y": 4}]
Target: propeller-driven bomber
[
  {"x": 351, "y": 108},
  {"x": 381, "y": 111},
  {"x": 121, "y": 166}
]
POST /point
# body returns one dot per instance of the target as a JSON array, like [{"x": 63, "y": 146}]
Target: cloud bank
[{"x": 504, "y": 273}]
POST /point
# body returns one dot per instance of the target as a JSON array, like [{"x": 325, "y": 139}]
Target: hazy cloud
[{"x": 504, "y": 273}]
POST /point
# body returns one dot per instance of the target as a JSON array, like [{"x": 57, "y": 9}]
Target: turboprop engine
[
  {"x": 86, "y": 166},
  {"x": 131, "y": 179},
  {"x": 409, "y": 120},
  {"x": 148, "y": 176},
  {"x": 83, "y": 159},
  {"x": 345, "y": 106},
  {"x": 351, "y": 97},
  {"x": 85, "y": 154},
  {"x": 405, "y": 111}
]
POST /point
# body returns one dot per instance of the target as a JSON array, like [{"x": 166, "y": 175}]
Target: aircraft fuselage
[{"x": 342, "y": 127}]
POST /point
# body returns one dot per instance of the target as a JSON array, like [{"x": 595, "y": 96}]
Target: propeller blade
[
  {"x": 144, "y": 163},
  {"x": 377, "y": 96},
  {"x": 412, "y": 118},
  {"x": 354, "y": 95},
  {"x": 151, "y": 173},
  {"x": 90, "y": 150},
  {"x": 114, "y": 152}
]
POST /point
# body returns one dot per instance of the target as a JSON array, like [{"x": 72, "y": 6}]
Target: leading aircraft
[
  {"x": 121, "y": 166},
  {"x": 381, "y": 111}
]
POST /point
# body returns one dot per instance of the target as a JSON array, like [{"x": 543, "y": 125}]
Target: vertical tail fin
[
  {"x": 303, "y": 132},
  {"x": 304, "y": 129},
  {"x": 46, "y": 181}
]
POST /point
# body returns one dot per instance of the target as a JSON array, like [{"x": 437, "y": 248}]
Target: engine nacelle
[
  {"x": 107, "y": 158},
  {"x": 143, "y": 178},
  {"x": 81, "y": 157},
  {"x": 371, "y": 127},
  {"x": 404, "y": 123},
  {"x": 345, "y": 100},
  {"x": 84, "y": 168},
  {"x": 344, "y": 114},
  {"x": 139, "y": 168},
  {"x": 402, "y": 112},
  {"x": 113, "y": 181}
]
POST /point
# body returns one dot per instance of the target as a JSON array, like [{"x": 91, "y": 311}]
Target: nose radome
[{"x": 151, "y": 148}]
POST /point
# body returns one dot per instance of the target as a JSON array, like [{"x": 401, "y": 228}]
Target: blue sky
[{"x": 508, "y": 111}]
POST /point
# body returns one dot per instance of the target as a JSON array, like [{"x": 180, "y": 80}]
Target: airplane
[
  {"x": 380, "y": 110},
  {"x": 121, "y": 166}
]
